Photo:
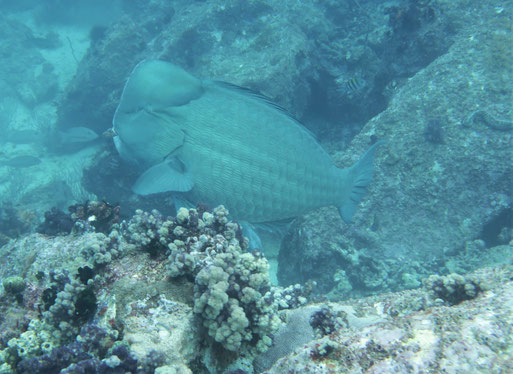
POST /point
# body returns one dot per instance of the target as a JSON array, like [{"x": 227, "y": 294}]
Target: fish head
[
  {"x": 159, "y": 84},
  {"x": 144, "y": 121}
]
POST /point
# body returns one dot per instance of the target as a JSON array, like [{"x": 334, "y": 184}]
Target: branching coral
[{"x": 231, "y": 287}]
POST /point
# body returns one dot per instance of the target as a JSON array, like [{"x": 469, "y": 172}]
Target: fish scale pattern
[{"x": 263, "y": 170}]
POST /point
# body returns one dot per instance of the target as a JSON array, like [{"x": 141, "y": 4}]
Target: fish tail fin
[{"x": 356, "y": 180}]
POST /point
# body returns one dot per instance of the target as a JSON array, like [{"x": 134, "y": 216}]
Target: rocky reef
[
  {"x": 448, "y": 124},
  {"x": 181, "y": 294},
  {"x": 441, "y": 199},
  {"x": 415, "y": 331},
  {"x": 188, "y": 279},
  {"x": 420, "y": 281}
]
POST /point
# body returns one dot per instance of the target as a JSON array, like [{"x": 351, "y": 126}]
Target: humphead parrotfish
[{"x": 217, "y": 143}]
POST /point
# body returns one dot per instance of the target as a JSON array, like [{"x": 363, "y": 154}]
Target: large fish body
[{"x": 221, "y": 144}]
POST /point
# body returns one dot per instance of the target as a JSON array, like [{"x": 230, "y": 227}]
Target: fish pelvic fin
[
  {"x": 169, "y": 175},
  {"x": 356, "y": 180}
]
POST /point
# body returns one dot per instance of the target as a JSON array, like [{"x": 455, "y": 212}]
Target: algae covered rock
[
  {"x": 14, "y": 285},
  {"x": 395, "y": 338}
]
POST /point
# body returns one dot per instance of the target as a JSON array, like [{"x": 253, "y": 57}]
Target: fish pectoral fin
[{"x": 163, "y": 177}]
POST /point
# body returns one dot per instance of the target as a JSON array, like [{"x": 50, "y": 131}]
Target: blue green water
[{"x": 432, "y": 78}]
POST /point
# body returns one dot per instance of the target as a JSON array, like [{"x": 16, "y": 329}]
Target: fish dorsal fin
[
  {"x": 264, "y": 100},
  {"x": 169, "y": 175}
]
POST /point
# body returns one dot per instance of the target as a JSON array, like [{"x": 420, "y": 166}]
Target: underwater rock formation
[
  {"x": 385, "y": 334},
  {"x": 14, "y": 222},
  {"x": 56, "y": 222},
  {"x": 430, "y": 182},
  {"x": 29, "y": 75},
  {"x": 447, "y": 144},
  {"x": 87, "y": 276},
  {"x": 340, "y": 259},
  {"x": 181, "y": 293}
]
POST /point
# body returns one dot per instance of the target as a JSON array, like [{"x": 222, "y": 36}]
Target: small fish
[
  {"x": 351, "y": 85},
  {"x": 217, "y": 143},
  {"x": 78, "y": 134},
  {"x": 21, "y": 162},
  {"x": 354, "y": 84}
]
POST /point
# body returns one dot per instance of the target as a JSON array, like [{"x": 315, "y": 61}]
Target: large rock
[
  {"x": 385, "y": 334},
  {"x": 441, "y": 181},
  {"x": 443, "y": 174}
]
